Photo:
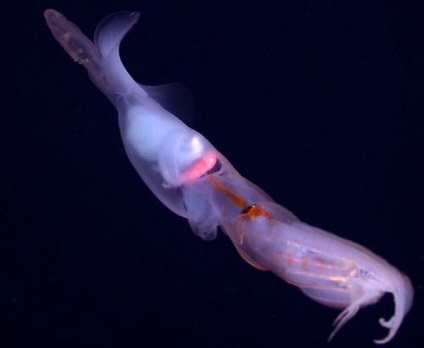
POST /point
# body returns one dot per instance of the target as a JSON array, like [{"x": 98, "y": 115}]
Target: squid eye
[
  {"x": 246, "y": 210},
  {"x": 256, "y": 210}
]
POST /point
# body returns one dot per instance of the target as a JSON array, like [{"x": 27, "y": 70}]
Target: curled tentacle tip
[{"x": 388, "y": 324}]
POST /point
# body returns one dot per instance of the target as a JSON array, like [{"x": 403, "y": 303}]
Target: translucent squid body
[{"x": 197, "y": 182}]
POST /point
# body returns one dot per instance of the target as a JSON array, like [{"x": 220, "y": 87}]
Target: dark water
[{"x": 317, "y": 102}]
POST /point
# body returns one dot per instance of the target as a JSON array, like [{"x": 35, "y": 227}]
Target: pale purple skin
[{"x": 195, "y": 181}]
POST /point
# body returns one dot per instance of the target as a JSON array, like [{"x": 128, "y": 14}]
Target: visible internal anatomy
[{"x": 189, "y": 176}]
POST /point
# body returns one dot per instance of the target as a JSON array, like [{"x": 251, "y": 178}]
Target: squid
[{"x": 195, "y": 181}]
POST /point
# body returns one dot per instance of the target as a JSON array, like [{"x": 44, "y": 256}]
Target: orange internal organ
[{"x": 201, "y": 167}]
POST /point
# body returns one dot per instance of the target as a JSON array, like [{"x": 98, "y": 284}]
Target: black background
[{"x": 318, "y": 102}]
